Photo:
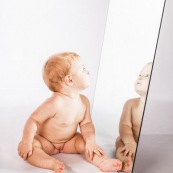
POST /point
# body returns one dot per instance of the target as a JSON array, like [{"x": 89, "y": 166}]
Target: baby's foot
[
  {"x": 110, "y": 165},
  {"x": 127, "y": 166},
  {"x": 58, "y": 166}
]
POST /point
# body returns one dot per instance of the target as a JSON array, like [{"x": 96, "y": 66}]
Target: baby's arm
[
  {"x": 41, "y": 114},
  {"x": 88, "y": 132},
  {"x": 125, "y": 129}
]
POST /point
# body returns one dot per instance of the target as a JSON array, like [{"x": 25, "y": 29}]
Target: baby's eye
[
  {"x": 147, "y": 75},
  {"x": 84, "y": 68}
]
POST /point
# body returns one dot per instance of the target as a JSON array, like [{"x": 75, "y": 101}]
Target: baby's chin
[
  {"x": 141, "y": 92},
  {"x": 86, "y": 86}
]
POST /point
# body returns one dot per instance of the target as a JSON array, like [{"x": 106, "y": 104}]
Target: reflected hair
[
  {"x": 56, "y": 68},
  {"x": 149, "y": 63}
]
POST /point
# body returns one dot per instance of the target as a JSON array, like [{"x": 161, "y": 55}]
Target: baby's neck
[
  {"x": 71, "y": 94},
  {"x": 142, "y": 99}
]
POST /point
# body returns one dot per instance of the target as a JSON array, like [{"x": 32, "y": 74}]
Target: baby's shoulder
[
  {"x": 53, "y": 101},
  {"x": 84, "y": 99},
  {"x": 132, "y": 101}
]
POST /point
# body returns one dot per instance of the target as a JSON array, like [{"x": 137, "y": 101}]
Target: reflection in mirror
[
  {"x": 130, "y": 121},
  {"x": 129, "y": 43},
  {"x": 155, "y": 148}
]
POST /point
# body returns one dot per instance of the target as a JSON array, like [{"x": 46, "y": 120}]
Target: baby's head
[
  {"x": 141, "y": 84},
  {"x": 62, "y": 68}
]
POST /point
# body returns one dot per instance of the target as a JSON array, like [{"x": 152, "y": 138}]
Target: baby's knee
[
  {"x": 117, "y": 153},
  {"x": 36, "y": 144},
  {"x": 119, "y": 142},
  {"x": 80, "y": 143}
]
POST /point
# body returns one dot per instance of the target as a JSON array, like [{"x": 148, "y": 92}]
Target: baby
[
  {"x": 130, "y": 121},
  {"x": 52, "y": 127}
]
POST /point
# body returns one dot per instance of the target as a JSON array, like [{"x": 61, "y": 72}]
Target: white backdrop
[
  {"x": 129, "y": 43},
  {"x": 31, "y": 31}
]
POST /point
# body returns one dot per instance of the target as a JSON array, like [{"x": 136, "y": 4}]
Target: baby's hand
[
  {"x": 129, "y": 149},
  {"x": 25, "y": 149},
  {"x": 91, "y": 148}
]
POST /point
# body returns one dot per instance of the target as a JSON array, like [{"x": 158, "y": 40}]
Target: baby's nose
[
  {"x": 141, "y": 77},
  {"x": 87, "y": 72}
]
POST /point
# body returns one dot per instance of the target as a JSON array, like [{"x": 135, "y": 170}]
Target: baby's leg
[
  {"x": 41, "y": 159},
  {"x": 77, "y": 145},
  {"x": 127, "y": 162}
]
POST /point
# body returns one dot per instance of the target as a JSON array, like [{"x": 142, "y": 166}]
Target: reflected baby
[
  {"x": 52, "y": 127},
  {"x": 130, "y": 121}
]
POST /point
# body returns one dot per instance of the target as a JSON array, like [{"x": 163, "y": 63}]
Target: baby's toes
[
  {"x": 61, "y": 165},
  {"x": 117, "y": 163},
  {"x": 58, "y": 171},
  {"x": 58, "y": 166}
]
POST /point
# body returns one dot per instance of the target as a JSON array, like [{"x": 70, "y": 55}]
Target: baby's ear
[{"x": 69, "y": 80}]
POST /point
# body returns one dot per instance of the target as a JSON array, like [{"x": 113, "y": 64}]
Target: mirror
[
  {"x": 154, "y": 153},
  {"x": 130, "y": 40}
]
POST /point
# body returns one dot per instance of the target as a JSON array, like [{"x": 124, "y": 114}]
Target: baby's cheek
[
  {"x": 147, "y": 82},
  {"x": 146, "y": 85}
]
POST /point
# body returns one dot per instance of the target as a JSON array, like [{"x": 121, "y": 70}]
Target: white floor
[{"x": 11, "y": 125}]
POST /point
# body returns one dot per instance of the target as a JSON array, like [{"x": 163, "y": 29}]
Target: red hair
[{"x": 56, "y": 68}]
